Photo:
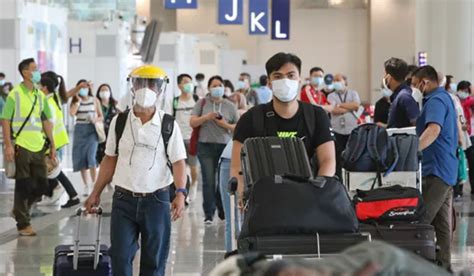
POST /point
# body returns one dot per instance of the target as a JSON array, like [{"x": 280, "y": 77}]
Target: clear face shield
[{"x": 140, "y": 86}]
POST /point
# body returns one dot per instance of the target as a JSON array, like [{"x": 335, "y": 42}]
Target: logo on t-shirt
[{"x": 287, "y": 134}]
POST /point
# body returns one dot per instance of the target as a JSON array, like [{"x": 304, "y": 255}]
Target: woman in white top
[{"x": 87, "y": 111}]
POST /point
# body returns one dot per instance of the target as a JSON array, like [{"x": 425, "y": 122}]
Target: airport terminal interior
[{"x": 306, "y": 137}]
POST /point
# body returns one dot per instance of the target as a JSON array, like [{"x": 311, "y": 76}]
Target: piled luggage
[
  {"x": 289, "y": 211},
  {"x": 382, "y": 168}
]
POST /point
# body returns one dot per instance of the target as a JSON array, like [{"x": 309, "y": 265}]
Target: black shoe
[
  {"x": 221, "y": 215},
  {"x": 71, "y": 202}
]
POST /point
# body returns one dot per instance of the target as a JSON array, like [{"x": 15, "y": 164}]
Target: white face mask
[
  {"x": 105, "y": 95},
  {"x": 285, "y": 90},
  {"x": 145, "y": 97}
]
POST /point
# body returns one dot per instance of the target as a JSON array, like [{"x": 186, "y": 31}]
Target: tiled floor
[{"x": 195, "y": 248}]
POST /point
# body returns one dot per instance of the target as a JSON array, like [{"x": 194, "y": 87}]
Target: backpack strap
[
  {"x": 309, "y": 119},
  {"x": 195, "y": 98},
  {"x": 167, "y": 126},
  {"x": 373, "y": 134},
  {"x": 258, "y": 118},
  {"x": 175, "y": 105},
  {"x": 120, "y": 127}
]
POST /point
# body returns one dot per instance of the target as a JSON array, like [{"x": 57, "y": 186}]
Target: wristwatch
[{"x": 183, "y": 191}]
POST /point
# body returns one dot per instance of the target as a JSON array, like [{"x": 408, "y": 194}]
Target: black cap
[{"x": 328, "y": 79}]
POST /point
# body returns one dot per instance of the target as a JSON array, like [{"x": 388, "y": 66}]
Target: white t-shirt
[
  {"x": 141, "y": 165},
  {"x": 183, "y": 116}
]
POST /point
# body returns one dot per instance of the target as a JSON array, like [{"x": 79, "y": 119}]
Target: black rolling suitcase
[
  {"x": 270, "y": 156},
  {"x": 416, "y": 238},
  {"x": 79, "y": 259},
  {"x": 309, "y": 245}
]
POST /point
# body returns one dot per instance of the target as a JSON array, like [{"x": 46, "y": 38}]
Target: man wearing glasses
[{"x": 137, "y": 164}]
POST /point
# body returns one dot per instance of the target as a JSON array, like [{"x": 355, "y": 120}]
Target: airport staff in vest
[{"x": 25, "y": 123}]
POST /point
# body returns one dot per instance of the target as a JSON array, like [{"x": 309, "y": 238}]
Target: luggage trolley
[{"x": 364, "y": 180}]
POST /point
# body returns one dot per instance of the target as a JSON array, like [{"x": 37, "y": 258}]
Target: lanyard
[
  {"x": 214, "y": 107},
  {"x": 345, "y": 97}
]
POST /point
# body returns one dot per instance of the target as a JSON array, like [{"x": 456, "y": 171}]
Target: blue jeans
[
  {"x": 149, "y": 217},
  {"x": 224, "y": 175},
  {"x": 208, "y": 155}
]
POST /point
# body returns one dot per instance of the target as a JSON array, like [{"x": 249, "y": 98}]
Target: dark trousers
[
  {"x": 65, "y": 182},
  {"x": 438, "y": 199},
  {"x": 30, "y": 184},
  {"x": 209, "y": 155},
  {"x": 341, "y": 141},
  {"x": 147, "y": 217}
]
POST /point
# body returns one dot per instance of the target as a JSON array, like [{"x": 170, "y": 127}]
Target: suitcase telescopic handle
[{"x": 79, "y": 212}]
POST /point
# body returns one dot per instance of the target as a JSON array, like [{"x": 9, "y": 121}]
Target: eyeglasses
[{"x": 142, "y": 145}]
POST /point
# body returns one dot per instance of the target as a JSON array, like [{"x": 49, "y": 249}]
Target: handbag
[
  {"x": 462, "y": 167},
  {"x": 195, "y": 134},
  {"x": 10, "y": 166},
  {"x": 99, "y": 128},
  {"x": 389, "y": 204}
]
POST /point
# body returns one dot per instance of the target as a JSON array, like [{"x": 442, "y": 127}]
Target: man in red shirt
[{"x": 312, "y": 93}]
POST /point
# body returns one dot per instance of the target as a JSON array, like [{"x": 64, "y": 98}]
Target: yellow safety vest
[
  {"x": 59, "y": 130},
  {"x": 32, "y": 136}
]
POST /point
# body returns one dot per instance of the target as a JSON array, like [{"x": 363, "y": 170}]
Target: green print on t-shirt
[{"x": 287, "y": 134}]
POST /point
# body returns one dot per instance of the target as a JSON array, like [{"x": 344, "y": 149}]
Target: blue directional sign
[
  {"x": 281, "y": 19},
  {"x": 258, "y": 17},
  {"x": 231, "y": 12},
  {"x": 180, "y": 4}
]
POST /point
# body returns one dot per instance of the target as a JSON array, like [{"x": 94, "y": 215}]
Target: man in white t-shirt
[
  {"x": 136, "y": 162},
  {"x": 182, "y": 108}
]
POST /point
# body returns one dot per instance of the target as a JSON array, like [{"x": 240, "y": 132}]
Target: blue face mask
[
  {"x": 338, "y": 86},
  {"x": 318, "y": 81},
  {"x": 83, "y": 92},
  {"x": 36, "y": 77},
  {"x": 217, "y": 92},
  {"x": 453, "y": 87},
  {"x": 330, "y": 87},
  {"x": 2, "y": 82},
  {"x": 387, "y": 92},
  {"x": 242, "y": 85}
]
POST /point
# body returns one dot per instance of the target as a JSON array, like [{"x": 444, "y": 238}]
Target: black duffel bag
[{"x": 291, "y": 206}]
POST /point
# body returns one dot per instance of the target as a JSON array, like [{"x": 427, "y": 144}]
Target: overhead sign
[
  {"x": 258, "y": 17},
  {"x": 180, "y": 4},
  {"x": 231, "y": 12},
  {"x": 281, "y": 19},
  {"x": 422, "y": 58}
]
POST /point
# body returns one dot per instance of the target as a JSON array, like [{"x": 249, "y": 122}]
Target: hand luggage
[
  {"x": 417, "y": 238},
  {"x": 311, "y": 245},
  {"x": 78, "y": 259},
  {"x": 389, "y": 204},
  {"x": 269, "y": 156},
  {"x": 290, "y": 206}
]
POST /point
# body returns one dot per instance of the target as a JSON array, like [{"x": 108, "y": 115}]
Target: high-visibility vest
[
  {"x": 59, "y": 129},
  {"x": 32, "y": 136}
]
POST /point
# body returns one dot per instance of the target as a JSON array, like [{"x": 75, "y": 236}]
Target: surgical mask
[
  {"x": 36, "y": 77},
  {"x": 330, "y": 87},
  {"x": 453, "y": 87},
  {"x": 339, "y": 86},
  {"x": 188, "y": 88},
  {"x": 463, "y": 95},
  {"x": 2, "y": 82},
  {"x": 318, "y": 81},
  {"x": 145, "y": 97},
  {"x": 386, "y": 92},
  {"x": 285, "y": 90},
  {"x": 217, "y": 92},
  {"x": 104, "y": 94},
  {"x": 84, "y": 92},
  {"x": 415, "y": 91},
  {"x": 227, "y": 92},
  {"x": 242, "y": 85}
]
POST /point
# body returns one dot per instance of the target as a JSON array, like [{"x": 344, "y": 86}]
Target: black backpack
[
  {"x": 370, "y": 149},
  {"x": 167, "y": 126}
]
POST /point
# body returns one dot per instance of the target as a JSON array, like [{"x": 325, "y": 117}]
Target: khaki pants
[
  {"x": 438, "y": 199},
  {"x": 31, "y": 183}
]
